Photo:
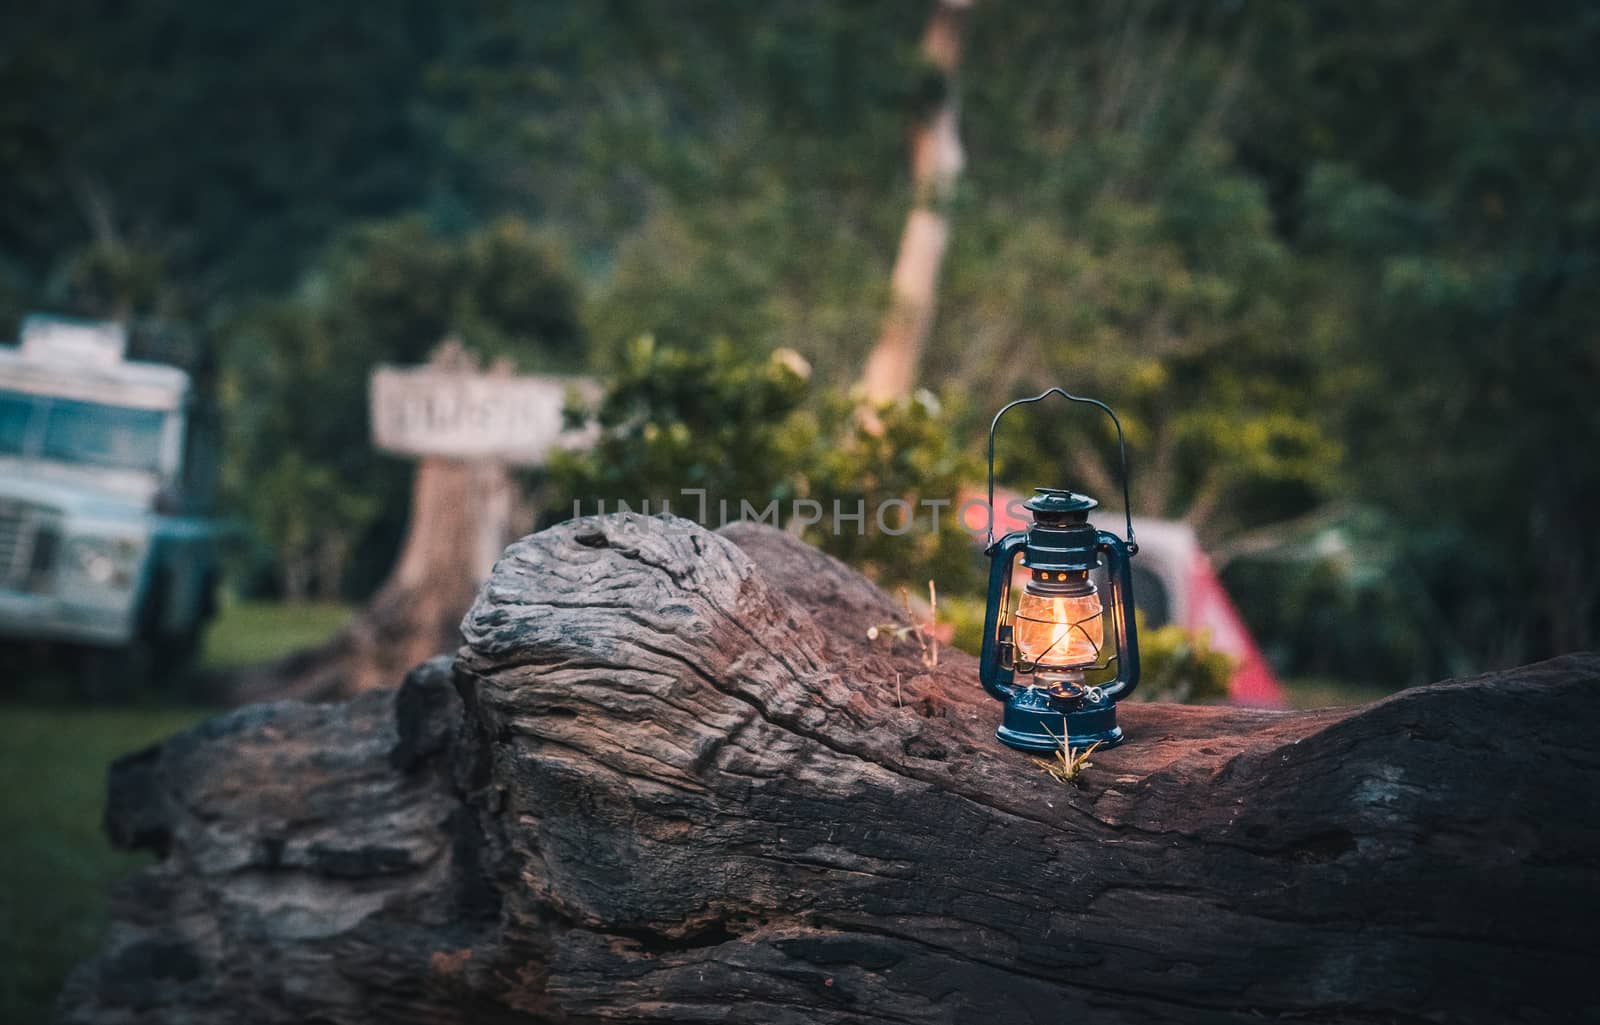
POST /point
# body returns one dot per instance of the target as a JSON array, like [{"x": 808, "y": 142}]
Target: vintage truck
[{"x": 108, "y": 548}]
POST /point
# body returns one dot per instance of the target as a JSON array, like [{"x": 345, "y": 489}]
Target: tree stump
[
  {"x": 461, "y": 514},
  {"x": 456, "y": 506},
  {"x": 668, "y": 779}
]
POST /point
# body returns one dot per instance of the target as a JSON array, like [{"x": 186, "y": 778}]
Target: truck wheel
[
  {"x": 115, "y": 675},
  {"x": 173, "y": 668},
  {"x": 180, "y": 674},
  {"x": 167, "y": 655},
  {"x": 16, "y": 667},
  {"x": 121, "y": 673}
]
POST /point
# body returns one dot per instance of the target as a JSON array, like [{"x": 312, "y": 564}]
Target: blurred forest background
[{"x": 1338, "y": 265}]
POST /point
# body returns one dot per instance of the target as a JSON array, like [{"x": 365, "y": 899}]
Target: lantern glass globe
[{"x": 1059, "y": 631}]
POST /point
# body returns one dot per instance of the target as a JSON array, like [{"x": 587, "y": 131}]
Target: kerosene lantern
[{"x": 1038, "y": 659}]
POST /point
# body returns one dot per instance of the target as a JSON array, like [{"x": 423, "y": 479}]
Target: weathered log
[{"x": 680, "y": 785}]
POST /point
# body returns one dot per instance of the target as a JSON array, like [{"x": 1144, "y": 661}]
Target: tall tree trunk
[
  {"x": 936, "y": 162},
  {"x": 296, "y": 579},
  {"x": 332, "y": 556}
]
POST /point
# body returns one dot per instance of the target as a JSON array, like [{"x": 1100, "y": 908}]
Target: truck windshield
[{"x": 72, "y": 431}]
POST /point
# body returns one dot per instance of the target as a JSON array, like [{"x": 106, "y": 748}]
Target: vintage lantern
[{"x": 1037, "y": 660}]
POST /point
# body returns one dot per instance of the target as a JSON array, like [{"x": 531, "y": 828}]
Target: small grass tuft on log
[{"x": 1067, "y": 764}]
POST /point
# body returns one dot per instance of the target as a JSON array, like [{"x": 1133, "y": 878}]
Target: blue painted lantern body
[{"x": 1036, "y": 660}]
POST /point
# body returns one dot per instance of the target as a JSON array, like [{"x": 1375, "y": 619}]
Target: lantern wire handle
[{"x": 1122, "y": 449}]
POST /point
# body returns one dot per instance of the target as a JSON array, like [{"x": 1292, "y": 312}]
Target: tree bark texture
[
  {"x": 936, "y": 162},
  {"x": 669, "y": 779}
]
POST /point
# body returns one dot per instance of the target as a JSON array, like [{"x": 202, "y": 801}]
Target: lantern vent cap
[{"x": 1058, "y": 501}]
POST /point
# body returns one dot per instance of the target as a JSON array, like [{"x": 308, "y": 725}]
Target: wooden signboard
[{"x": 470, "y": 415}]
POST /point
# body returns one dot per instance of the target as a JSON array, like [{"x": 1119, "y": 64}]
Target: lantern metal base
[{"x": 1029, "y": 723}]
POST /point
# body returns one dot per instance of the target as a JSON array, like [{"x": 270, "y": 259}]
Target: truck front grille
[{"x": 27, "y": 544}]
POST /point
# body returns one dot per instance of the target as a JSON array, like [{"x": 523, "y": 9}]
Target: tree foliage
[{"x": 1319, "y": 256}]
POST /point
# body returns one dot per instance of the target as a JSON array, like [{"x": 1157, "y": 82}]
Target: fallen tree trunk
[{"x": 680, "y": 785}]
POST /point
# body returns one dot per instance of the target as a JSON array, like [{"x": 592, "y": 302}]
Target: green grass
[
  {"x": 55, "y": 863},
  {"x": 254, "y": 631},
  {"x": 1322, "y": 692}
]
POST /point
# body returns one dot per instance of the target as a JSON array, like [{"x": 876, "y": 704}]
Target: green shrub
[
  {"x": 753, "y": 431},
  {"x": 911, "y": 457},
  {"x": 1180, "y": 665},
  {"x": 672, "y": 419}
]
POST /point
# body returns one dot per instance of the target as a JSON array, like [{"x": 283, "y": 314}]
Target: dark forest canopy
[{"x": 1336, "y": 261}]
